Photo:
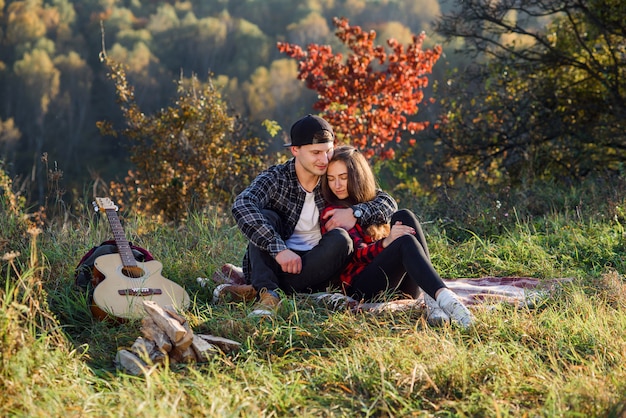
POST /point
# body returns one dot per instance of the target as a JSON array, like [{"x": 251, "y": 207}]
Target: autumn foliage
[{"x": 370, "y": 96}]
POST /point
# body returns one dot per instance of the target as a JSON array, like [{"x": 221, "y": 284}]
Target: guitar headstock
[{"x": 104, "y": 203}]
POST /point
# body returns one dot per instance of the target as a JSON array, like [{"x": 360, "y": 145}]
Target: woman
[{"x": 384, "y": 255}]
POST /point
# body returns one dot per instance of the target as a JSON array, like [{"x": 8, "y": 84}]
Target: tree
[
  {"x": 247, "y": 47},
  {"x": 190, "y": 156},
  {"x": 274, "y": 91},
  {"x": 313, "y": 28},
  {"x": 370, "y": 96},
  {"x": 39, "y": 79},
  {"x": 547, "y": 95},
  {"x": 270, "y": 16},
  {"x": 180, "y": 42},
  {"x": 72, "y": 106},
  {"x": 9, "y": 135},
  {"x": 24, "y": 23}
]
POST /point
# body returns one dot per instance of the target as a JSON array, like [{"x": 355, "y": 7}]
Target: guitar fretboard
[{"x": 126, "y": 253}]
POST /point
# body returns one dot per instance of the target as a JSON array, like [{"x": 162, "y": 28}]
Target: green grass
[{"x": 564, "y": 357}]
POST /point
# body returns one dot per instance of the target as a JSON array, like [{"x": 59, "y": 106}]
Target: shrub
[{"x": 191, "y": 156}]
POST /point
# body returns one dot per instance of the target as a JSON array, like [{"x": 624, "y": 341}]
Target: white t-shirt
[{"x": 307, "y": 233}]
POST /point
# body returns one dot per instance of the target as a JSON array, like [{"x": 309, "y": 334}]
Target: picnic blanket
[
  {"x": 482, "y": 291},
  {"x": 485, "y": 291},
  {"x": 520, "y": 291}
]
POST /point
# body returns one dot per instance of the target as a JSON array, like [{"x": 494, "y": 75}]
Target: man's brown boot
[
  {"x": 267, "y": 304},
  {"x": 234, "y": 293}
]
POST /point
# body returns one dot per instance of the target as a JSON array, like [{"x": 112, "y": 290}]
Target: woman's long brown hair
[{"x": 362, "y": 185}]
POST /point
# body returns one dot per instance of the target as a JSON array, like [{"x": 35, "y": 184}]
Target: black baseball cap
[{"x": 304, "y": 131}]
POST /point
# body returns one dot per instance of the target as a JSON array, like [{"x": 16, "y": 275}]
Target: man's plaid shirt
[{"x": 278, "y": 189}]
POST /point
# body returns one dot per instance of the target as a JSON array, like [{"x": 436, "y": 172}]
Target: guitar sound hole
[{"x": 132, "y": 272}]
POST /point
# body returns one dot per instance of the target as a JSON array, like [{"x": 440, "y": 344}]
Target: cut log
[
  {"x": 203, "y": 349},
  {"x": 142, "y": 349},
  {"x": 174, "y": 314},
  {"x": 166, "y": 333},
  {"x": 152, "y": 332},
  {"x": 183, "y": 356},
  {"x": 172, "y": 328},
  {"x": 130, "y": 363},
  {"x": 224, "y": 344},
  {"x": 147, "y": 351},
  {"x": 186, "y": 341}
]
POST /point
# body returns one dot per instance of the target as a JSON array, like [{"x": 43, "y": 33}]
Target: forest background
[
  {"x": 54, "y": 86},
  {"x": 521, "y": 92}
]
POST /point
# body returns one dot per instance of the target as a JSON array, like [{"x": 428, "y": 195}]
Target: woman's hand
[{"x": 397, "y": 230}]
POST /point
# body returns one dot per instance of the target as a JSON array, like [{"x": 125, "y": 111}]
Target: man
[{"x": 279, "y": 214}]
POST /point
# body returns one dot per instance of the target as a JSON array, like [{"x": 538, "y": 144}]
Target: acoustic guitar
[{"x": 127, "y": 282}]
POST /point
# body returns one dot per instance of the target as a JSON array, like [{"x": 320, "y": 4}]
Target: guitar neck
[{"x": 126, "y": 253}]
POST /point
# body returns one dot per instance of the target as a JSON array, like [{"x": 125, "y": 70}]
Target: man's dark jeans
[{"x": 320, "y": 266}]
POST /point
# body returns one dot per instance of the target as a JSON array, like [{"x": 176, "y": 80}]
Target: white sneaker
[
  {"x": 435, "y": 316},
  {"x": 452, "y": 306},
  {"x": 261, "y": 313},
  {"x": 203, "y": 281}
]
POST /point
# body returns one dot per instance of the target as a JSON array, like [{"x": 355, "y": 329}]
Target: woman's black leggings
[{"x": 407, "y": 255}]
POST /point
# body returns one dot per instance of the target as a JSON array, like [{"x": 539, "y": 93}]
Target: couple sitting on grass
[{"x": 319, "y": 220}]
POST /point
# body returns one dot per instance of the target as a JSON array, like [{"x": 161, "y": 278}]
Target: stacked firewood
[{"x": 166, "y": 336}]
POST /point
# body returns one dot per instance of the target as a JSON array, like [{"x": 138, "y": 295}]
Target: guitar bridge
[{"x": 139, "y": 291}]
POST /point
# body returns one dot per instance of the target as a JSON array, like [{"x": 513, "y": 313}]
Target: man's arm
[
  {"x": 374, "y": 212},
  {"x": 377, "y": 211},
  {"x": 247, "y": 211}
]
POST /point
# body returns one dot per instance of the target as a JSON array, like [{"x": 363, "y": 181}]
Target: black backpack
[{"x": 86, "y": 278}]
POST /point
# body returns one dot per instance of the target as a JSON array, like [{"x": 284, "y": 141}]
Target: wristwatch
[{"x": 357, "y": 213}]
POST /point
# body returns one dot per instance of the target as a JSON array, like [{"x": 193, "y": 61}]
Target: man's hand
[
  {"x": 289, "y": 261},
  {"x": 340, "y": 218}
]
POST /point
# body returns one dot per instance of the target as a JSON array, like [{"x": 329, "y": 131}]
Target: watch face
[{"x": 358, "y": 213}]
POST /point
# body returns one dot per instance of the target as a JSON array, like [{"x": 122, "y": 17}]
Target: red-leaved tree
[{"x": 369, "y": 96}]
